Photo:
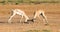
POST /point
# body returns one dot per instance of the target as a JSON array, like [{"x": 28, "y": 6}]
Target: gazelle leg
[
  {"x": 21, "y": 18},
  {"x": 43, "y": 15},
  {"x": 26, "y": 21},
  {"x": 34, "y": 17},
  {"x": 9, "y": 21},
  {"x": 39, "y": 17}
]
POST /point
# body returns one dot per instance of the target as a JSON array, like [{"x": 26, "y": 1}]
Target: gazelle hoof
[
  {"x": 46, "y": 24},
  {"x": 9, "y": 22},
  {"x": 26, "y": 22}
]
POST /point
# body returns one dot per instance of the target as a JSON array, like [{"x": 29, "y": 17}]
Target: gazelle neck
[{"x": 26, "y": 16}]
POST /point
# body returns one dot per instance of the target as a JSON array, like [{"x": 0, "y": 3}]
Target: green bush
[
  {"x": 29, "y": 1},
  {"x": 46, "y": 30},
  {"x": 33, "y": 31},
  {"x": 3, "y": 2}
]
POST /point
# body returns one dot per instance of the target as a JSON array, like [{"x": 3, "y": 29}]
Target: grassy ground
[{"x": 52, "y": 12}]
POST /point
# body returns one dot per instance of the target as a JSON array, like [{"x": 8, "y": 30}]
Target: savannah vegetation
[{"x": 17, "y": 2}]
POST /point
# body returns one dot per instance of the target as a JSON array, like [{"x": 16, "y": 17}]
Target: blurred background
[
  {"x": 51, "y": 8},
  {"x": 17, "y": 2}
]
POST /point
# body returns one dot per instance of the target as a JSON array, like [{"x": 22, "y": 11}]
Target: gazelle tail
[
  {"x": 12, "y": 11},
  {"x": 34, "y": 12},
  {"x": 42, "y": 14}
]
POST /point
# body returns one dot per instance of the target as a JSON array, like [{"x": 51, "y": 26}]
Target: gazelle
[
  {"x": 19, "y": 12},
  {"x": 38, "y": 13}
]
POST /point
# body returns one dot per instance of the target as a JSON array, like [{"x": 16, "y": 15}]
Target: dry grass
[{"x": 52, "y": 12}]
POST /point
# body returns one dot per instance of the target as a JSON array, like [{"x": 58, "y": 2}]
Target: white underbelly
[{"x": 19, "y": 13}]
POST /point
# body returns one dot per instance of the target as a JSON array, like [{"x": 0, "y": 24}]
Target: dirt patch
[{"x": 52, "y": 12}]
